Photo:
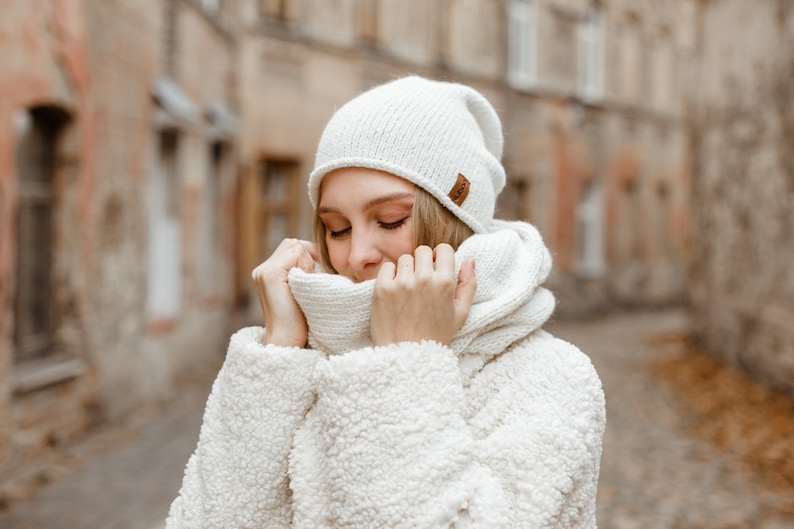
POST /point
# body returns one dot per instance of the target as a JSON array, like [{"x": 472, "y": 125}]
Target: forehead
[{"x": 350, "y": 183}]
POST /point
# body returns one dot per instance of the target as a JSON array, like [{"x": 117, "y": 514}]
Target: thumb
[{"x": 464, "y": 293}]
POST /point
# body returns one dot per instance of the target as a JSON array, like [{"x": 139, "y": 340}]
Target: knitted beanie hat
[{"x": 444, "y": 137}]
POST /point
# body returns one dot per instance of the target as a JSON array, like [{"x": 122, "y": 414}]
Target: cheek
[
  {"x": 337, "y": 254},
  {"x": 403, "y": 242}
]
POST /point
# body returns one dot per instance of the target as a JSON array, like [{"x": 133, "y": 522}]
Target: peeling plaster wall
[
  {"x": 743, "y": 190},
  {"x": 132, "y": 45},
  {"x": 98, "y": 61},
  {"x": 47, "y": 66}
]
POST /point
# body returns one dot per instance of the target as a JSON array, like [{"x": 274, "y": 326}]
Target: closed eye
[
  {"x": 393, "y": 225},
  {"x": 338, "y": 234}
]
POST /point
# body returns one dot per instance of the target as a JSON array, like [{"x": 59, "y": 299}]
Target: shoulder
[
  {"x": 542, "y": 356},
  {"x": 541, "y": 370},
  {"x": 547, "y": 357}
]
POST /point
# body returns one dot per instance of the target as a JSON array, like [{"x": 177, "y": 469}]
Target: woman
[{"x": 404, "y": 380}]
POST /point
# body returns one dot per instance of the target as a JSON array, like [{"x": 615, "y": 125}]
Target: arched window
[{"x": 39, "y": 130}]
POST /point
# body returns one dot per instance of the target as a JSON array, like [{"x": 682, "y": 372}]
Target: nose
[{"x": 364, "y": 256}]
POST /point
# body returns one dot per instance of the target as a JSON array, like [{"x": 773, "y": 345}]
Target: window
[
  {"x": 515, "y": 201},
  {"x": 664, "y": 219},
  {"x": 632, "y": 215},
  {"x": 277, "y": 187},
  {"x": 591, "y": 54},
  {"x": 268, "y": 205},
  {"x": 212, "y": 7},
  {"x": 590, "y": 231},
  {"x": 522, "y": 44},
  {"x": 410, "y": 33},
  {"x": 210, "y": 251},
  {"x": 164, "y": 290},
  {"x": 368, "y": 20},
  {"x": 561, "y": 56},
  {"x": 274, "y": 9},
  {"x": 36, "y": 164}
]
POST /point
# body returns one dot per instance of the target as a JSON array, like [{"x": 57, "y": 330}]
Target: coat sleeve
[
  {"x": 237, "y": 476},
  {"x": 406, "y": 445}
]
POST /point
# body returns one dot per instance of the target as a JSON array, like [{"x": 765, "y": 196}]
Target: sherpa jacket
[{"x": 490, "y": 431}]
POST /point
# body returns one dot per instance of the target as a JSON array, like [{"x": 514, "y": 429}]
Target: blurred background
[{"x": 152, "y": 152}]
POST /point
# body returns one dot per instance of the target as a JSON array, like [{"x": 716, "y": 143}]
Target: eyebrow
[{"x": 371, "y": 204}]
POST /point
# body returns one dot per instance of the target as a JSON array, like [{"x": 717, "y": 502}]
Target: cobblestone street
[{"x": 654, "y": 474}]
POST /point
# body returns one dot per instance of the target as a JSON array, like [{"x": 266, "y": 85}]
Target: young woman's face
[{"x": 367, "y": 218}]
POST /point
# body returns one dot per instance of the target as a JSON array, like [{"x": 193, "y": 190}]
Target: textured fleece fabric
[{"x": 502, "y": 428}]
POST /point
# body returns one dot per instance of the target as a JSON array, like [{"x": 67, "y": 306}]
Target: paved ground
[{"x": 654, "y": 475}]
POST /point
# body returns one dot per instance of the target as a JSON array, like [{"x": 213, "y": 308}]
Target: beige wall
[{"x": 742, "y": 284}]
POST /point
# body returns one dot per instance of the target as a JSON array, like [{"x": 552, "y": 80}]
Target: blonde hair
[{"x": 432, "y": 224}]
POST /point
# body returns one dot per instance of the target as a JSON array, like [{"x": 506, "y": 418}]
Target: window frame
[
  {"x": 590, "y": 231},
  {"x": 590, "y": 71},
  {"x": 522, "y": 49},
  {"x": 37, "y": 164}
]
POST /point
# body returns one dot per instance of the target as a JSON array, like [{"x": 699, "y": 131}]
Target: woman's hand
[
  {"x": 285, "y": 323},
  {"x": 419, "y": 298}
]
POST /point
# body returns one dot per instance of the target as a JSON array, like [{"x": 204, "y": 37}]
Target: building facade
[
  {"x": 590, "y": 94},
  {"x": 742, "y": 283},
  {"x": 152, "y": 152},
  {"x": 117, "y": 195}
]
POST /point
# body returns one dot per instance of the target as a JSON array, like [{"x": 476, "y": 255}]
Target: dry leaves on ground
[{"x": 734, "y": 412}]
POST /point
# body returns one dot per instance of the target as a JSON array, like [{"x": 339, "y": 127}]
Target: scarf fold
[{"x": 512, "y": 262}]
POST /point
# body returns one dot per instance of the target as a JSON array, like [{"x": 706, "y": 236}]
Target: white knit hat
[{"x": 444, "y": 137}]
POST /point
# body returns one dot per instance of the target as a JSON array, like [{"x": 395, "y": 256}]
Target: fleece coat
[{"x": 500, "y": 428}]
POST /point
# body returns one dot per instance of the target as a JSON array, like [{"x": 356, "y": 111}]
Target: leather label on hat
[{"x": 460, "y": 190}]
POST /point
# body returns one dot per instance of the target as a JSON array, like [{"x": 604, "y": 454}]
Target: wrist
[{"x": 283, "y": 340}]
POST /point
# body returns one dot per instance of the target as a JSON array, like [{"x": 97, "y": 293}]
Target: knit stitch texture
[{"x": 427, "y": 132}]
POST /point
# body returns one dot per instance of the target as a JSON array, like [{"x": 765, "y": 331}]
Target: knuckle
[
  {"x": 423, "y": 279},
  {"x": 445, "y": 284}
]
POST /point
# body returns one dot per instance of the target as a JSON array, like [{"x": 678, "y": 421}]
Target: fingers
[
  {"x": 464, "y": 293},
  {"x": 307, "y": 257},
  {"x": 310, "y": 248},
  {"x": 405, "y": 268},
  {"x": 420, "y": 298},
  {"x": 445, "y": 258},
  {"x": 386, "y": 272},
  {"x": 425, "y": 262},
  {"x": 290, "y": 253},
  {"x": 284, "y": 321}
]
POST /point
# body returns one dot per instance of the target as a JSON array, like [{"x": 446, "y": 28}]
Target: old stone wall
[
  {"x": 48, "y": 71},
  {"x": 742, "y": 280},
  {"x": 94, "y": 68}
]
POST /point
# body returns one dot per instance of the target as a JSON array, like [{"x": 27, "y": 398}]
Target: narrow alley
[{"x": 655, "y": 474}]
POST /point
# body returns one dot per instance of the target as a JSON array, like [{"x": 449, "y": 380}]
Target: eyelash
[
  {"x": 384, "y": 225},
  {"x": 337, "y": 234},
  {"x": 393, "y": 225}
]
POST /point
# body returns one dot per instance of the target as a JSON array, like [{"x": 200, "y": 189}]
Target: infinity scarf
[{"x": 511, "y": 264}]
